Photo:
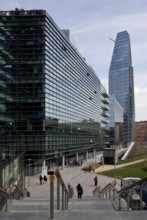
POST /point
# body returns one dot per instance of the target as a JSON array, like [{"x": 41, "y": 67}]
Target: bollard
[{"x": 58, "y": 193}]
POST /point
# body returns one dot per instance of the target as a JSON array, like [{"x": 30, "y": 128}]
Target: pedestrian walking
[
  {"x": 79, "y": 191},
  {"x": 70, "y": 190},
  {"x": 45, "y": 179},
  {"x": 95, "y": 180},
  {"x": 40, "y": 179}
]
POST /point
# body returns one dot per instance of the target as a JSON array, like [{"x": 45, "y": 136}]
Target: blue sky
[{"x": 92, "y": 23}]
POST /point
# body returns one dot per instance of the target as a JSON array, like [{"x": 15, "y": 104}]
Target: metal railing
[
  {"x": 63, "y": 196},
  {"x": 18, "y": 193},
  {"x": 4, "y": 196},
  {"x": 128, "y": 198}
]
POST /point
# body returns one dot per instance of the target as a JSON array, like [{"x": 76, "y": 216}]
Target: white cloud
[{"x": 140, "y": 91}]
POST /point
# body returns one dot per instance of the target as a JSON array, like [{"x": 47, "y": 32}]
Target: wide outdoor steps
[
  {"x": 29, "y": 205},
  {"x": 43, "y": 204},
  {"x": 87, "y": 208},
  {"x": 88, "y": 204}
]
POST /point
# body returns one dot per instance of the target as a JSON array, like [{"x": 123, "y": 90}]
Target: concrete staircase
[{"x": 87, "y": 208}]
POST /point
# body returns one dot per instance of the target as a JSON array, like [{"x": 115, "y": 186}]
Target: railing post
[
  {"x": 128, "y": 200},
  {"x": 66, "y": 200},
  {"x": 113, "y": 194},
  {"x": 58, "y": 192},
  {"x": 6, "y": 204},
  {"x": 51, "y": 178},
  {"x": 141, "y": 203},
  {"x": 62, "y": 197},
  {"x": 119, "y": 202},
  {"x": 109, "y": 192},
  {"x": 65, "y": 193}
]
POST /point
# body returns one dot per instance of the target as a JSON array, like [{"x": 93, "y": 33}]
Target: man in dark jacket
[{"x": 79, "y": 191}]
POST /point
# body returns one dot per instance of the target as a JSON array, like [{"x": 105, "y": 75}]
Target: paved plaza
[
  {"x": 75, "y": 175},
  {"x": 72, "y": 175}
]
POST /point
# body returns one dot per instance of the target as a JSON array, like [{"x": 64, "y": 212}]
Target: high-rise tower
[{"x": 121, "y": 82}]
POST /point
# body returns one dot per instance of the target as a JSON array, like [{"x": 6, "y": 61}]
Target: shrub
[{"x": 92, "y": 165}]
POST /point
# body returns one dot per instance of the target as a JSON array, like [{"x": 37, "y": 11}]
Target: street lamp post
[
  {"x": 115, "y": 167},
  {"x": 103, "y": 159},
  {"x": 29, "y": 160}
]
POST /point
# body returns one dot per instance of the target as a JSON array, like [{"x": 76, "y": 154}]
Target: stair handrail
[
  {"x": 21, "y": 193},
  {"x": 132, "y": 195},
  {"x": 109, "y": 186},
  {"x": 4, "y": 199},
  {"x": 109, "y": 192},
  {"x": 65, "y": 193},
  {"x": 129, "y": 192},
  {"x": 3, "y": 191},
  {"x": 27, "y": 192}
]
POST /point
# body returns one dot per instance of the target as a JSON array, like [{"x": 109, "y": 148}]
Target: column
[
  {"x": 63, "y": 162},
  {"x": 94, "y": 155},
  {"x": 86, "y": 155},
  {"x": 77, "y": 157}
]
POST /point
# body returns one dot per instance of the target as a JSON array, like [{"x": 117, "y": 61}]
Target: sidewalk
[{"x": 106, "y": 167}]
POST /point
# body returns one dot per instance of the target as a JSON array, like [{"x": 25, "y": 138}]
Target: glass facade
[
  {"x": 121, "y": 82},
  {"x": 105, "y": 134},
  {"x": 49, "y": 96},
  {"x": 116, "y": 111},
  {"x": 116, "y": 121}
]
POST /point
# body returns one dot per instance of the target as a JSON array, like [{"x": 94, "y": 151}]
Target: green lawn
[
  {"x": 132, "y": 159},
  {"x": 136, "y": 170}
]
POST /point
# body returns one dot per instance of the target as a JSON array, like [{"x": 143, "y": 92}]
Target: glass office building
[
  {"x": 121, "y": 82},
  {"x": 49, "y": 96}
]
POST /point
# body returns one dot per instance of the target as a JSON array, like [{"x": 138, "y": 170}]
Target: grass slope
[
  {"x": 137, "y": 150},
  {"x": 135, "y": 170}
]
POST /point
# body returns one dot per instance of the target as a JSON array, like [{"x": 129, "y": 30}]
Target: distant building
[
  {"x": 140, "y": 133},
  {"x": 118, "y": 133},
  {"x": 116, "y": 121},
  {"x": 121, "y": 82}
]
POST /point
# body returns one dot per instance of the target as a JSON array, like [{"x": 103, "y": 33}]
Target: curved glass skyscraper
[{"x": 121, "y": 82}]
